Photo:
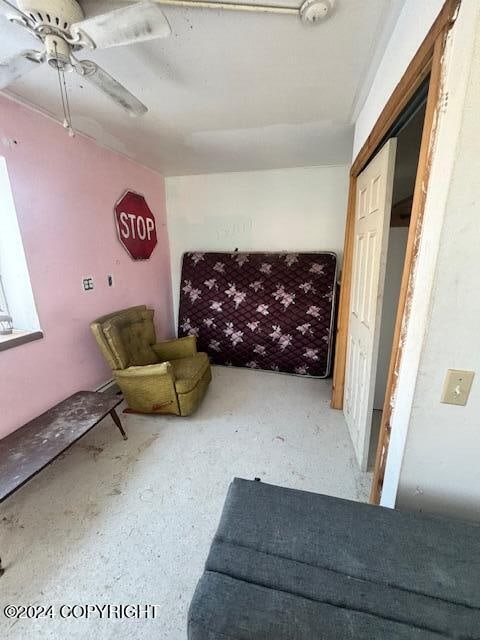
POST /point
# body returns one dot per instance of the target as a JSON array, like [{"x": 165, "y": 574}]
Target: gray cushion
[{"x": 292, "y": 564}]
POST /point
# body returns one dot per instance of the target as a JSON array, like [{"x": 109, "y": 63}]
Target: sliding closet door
[{"x": 372, "y": 223}]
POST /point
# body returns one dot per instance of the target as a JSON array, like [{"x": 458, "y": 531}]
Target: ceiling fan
[{"x": 64, "y": 31}]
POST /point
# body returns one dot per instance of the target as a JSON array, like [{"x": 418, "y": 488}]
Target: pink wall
[{"x": 64, "y": 191}]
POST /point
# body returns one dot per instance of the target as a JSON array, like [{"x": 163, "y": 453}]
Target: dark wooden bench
[{"x": 32, "y": 447}]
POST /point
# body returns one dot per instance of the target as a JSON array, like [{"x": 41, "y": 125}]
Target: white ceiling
[{"x": 227, "y": 91}]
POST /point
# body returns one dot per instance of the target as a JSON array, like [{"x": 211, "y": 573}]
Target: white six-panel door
[{"x": 372, "y": 224}]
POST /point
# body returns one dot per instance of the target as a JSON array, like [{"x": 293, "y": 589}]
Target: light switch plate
[{"x": 457, "y": 386}]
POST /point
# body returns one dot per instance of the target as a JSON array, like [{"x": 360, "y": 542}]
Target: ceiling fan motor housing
[{"x": 58, "y": 14}]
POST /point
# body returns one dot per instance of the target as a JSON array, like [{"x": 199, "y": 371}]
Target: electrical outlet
[
  {"x": 110, "y": 280},
  {"x": 457, "y": 386},
  {"x": 87, "y": 283}
]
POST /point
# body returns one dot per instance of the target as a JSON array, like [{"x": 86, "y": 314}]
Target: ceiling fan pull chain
[
  {"x": 71, "y": 131},
  {"x": 67, "y": 122}
]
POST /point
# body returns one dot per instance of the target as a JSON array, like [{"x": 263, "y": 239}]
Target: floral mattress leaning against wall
[{"x": 270, "y": 311}]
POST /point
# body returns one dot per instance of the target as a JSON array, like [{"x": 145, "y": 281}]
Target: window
[{"x": 18, "y": 315}]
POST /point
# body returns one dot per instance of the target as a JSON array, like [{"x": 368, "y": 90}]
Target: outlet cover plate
[{"x": 87, "y": 283}]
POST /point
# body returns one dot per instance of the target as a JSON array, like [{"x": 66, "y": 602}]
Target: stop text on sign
[
  {"x": 132, "y": 226},
  {"x": 135, "y": 224}
]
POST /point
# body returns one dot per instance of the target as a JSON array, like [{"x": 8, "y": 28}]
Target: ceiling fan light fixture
[
  {"x": 315, "y": 11},
  {"x": 57, "y": 52}
]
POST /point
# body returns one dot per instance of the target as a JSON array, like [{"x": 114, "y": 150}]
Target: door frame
[{"x": 427, "y": 61}]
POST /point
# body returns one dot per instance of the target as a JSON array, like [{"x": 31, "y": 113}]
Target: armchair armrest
[
  {"x": 175, "y": 349},
  {"x": 149, "y": 389}
]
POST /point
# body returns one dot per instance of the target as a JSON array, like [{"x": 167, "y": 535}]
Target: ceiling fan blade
[
  {"x": 11, "y": 11},
  {"x": 136, "y": 23},
  {"x": 117, "y": 92},
  {"x": 14, "y": 68}
]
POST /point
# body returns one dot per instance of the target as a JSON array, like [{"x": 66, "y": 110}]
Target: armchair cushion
[
  {"x": 97, "y": 327},
  {"x": 138, "y": 338},
  {"x": 131, "y": 340},
  {"x": 189, "y": 371},
  {"x": 143, "y": 371}
]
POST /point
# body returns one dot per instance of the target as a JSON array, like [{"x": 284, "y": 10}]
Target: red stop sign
[{"x": 135, "y": 225}]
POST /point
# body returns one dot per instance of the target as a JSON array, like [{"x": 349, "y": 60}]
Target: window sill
[{"x": 18, "y": 338}]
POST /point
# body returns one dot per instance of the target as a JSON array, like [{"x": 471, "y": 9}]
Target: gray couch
[{"x": 287, "y": 564}]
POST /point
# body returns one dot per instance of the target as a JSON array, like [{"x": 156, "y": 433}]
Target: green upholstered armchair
[{"x": 163, "y": 377}]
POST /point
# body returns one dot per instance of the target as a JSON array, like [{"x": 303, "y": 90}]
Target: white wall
[
  {"x": 413, "y": 24},
  {"x": 288, "y": 209},
  {"x": 397, "y": 244},
  {"x": 441, "y": 463}
]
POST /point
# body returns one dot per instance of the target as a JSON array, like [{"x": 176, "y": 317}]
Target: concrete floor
[{"x": 131, "y": 522}]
